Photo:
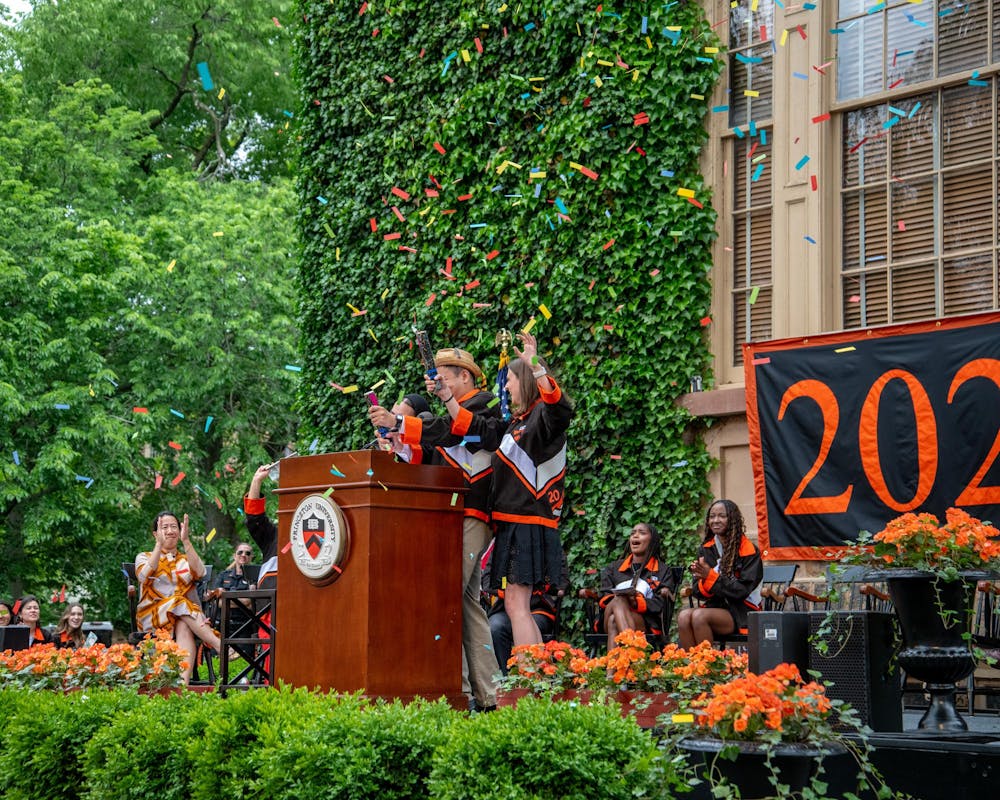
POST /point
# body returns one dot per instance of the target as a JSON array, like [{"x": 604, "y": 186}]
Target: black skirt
[{"x": 530, "y": 555}]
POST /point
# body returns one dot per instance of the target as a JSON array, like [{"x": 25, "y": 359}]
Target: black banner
[{"x": 852, "y": 429}]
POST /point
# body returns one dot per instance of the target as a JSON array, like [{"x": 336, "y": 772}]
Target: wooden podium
[{"x": 388, "y": 619}]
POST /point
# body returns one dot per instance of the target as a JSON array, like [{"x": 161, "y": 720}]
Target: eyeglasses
[{"x": 244, "y": 552}]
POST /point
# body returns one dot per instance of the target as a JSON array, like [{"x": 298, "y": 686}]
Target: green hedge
[
  {"x": 302, "y": 745},
  {"x": 381, "y": 88}
]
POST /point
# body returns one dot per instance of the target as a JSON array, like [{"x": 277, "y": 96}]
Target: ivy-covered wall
[{"x": 472, "y": 166}]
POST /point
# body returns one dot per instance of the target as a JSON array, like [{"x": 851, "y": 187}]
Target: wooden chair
[
  {"x": 134, "y": 634},
  {"x": 248, "y": 632},
  {"x": 846, "y": 590}
]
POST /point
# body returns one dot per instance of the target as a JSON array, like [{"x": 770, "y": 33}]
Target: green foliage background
[{"x": 620, "y": 261}]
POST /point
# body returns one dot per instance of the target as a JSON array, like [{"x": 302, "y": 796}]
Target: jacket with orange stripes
[
  {"x": 739, "y": 592},
  {"x": 530, "y": 463},
  {"x": 654, "y": 572},
  {"x": 465, "y": 443}
]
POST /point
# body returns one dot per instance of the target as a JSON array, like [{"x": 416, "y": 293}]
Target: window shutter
[
  {"x": 871, "y": 306},
  {"x": 967, "y": 209},
  {"x": 751, "y": 77},
  {"x": 862, "y": 134},
  {"x": 860, "y": 52},
  {"x": 912, "y": 221},
  {"x": 910, "y": 45},
  {"x": 913, "y": 138},
  {"x": 963, "y": 37},
  {"x": 864, "y": 213},
  {"x": 970, "y": 284},
  {"x": 967, "y": 120},
  {"x": 913, "y": 292}
]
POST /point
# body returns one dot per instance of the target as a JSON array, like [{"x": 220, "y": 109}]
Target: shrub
[
  {"x": 44, "y": 740},
  {"x": 355, "y": 751},
  {"x": 550, "y": 750},
  {"x": 226, "y": 758},
  {"x": 145, "y": 752}
]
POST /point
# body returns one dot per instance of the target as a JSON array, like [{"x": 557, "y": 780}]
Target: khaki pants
[{"x": 477, "y": 641}]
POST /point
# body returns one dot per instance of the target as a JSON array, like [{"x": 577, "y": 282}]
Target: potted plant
[
  {"x": 773, "y": 735},
  {"x": 550, "y": 669},
  {"x": 931, "y": 570}
]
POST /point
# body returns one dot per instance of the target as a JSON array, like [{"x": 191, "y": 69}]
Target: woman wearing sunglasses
[{"x": 232, "y": 577}]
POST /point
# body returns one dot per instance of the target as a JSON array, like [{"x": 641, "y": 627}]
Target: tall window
[
  {"x": 921, "y": 171},
  {"x": 751, "y": 286},
  {"x": 751, "y": 46}
]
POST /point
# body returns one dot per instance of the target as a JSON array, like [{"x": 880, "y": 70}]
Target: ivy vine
[{"x": 472, "y": 166}]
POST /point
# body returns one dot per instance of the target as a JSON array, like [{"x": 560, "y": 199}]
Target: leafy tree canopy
[
  {"x": 212, "y": 76},
  {"x": 145, "y": 328}
]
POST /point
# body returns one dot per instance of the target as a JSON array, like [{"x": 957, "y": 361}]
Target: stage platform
[{"x": 942, "y": 766}]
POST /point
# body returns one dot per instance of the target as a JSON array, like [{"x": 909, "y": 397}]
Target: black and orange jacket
[
  {"x": 530, "y": 464},
  {"x": 654, "y": 572},
  {"x": 265, "y": 534},
  {"x": 465, "y": 443},
  {"x": 41, "y": 636},
  {"x": 63, "y": 640},
  {"x": 739, "y": 592}
]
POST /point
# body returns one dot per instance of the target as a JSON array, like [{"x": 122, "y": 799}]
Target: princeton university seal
[{"x": 319, "y": 538}]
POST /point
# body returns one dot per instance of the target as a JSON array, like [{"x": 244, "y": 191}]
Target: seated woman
[
  {"x": 6, "y": 614},
  {"x": 727, "y": 575},
  {"x": 69, "y": 630},
  {"x": 232, "y": 577},
  {"x": 29, "y": 610},
  {"x": 634, "y": 587},
  {"x": 168, "y": 599}
]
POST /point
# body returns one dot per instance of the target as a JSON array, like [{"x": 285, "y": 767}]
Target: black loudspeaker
[
  {"x": 859, "y": 664},
  {"x": 13, "y": 637},
  {"x": 776, "y": 637},
  {"x": 103, "y": 632}
]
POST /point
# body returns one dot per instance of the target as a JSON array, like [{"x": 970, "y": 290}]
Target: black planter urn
[{"x": 934, "y": 619}]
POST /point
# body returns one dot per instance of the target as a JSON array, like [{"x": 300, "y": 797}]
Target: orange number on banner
[
  {"x": 975, "y": 494},
  {"x": 927, "y": 449},
  {"x": 824, "y": 398}
]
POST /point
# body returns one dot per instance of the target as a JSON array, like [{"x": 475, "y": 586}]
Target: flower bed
[{"x": 155, "y": 663}]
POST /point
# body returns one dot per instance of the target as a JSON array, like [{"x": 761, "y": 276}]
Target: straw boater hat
[{"x": 454, "y": 357}]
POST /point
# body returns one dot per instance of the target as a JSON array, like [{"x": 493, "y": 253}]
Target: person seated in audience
[
  {"x": 727, "y": 575},
  {"x": 69, "y": 630},
  {"x": 28, "y": 611},
  {"x": 634, "y": 587},
  {"x": 6, "y": 614},
  {"x": 232, "y": 577},
  {"x": 544, "y": 607},
  {"x": 168, "y": 597}
]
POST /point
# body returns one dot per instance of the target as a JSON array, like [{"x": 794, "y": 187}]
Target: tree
[
  {"x": 117, "y": 295},
  {"x": 213, "y": 74}
]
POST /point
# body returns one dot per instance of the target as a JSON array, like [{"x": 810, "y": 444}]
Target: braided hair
[{"x": 733, "y": 535}]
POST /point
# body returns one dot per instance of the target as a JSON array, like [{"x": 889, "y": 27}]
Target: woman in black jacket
[
  {"x": 727, "y": 574},
  {"x": 633, "y": 587}
]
